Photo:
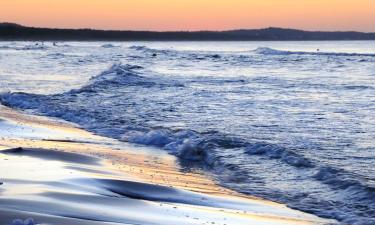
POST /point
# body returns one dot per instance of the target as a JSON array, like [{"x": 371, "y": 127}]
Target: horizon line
[{"x": 166, "y": 31}]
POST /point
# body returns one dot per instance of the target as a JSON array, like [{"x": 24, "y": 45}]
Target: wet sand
[{"x": 56, "y": 173}]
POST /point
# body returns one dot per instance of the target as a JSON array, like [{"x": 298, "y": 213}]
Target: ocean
[{"x": 291, "y": 122}]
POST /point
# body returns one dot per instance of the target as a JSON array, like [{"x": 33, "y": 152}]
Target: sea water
[{"x": 292, "y": 122}]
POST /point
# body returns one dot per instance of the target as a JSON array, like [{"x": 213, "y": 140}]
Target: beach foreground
[{"x": 55, "y": 173}]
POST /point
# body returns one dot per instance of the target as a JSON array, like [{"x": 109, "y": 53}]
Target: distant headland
[{"x": 16, "y": 32}]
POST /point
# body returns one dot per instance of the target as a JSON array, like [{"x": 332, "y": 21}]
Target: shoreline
[{"x": 57, "y": 173}]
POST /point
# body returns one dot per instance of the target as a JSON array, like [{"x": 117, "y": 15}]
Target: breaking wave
[
  {"x": 24, "y": 48},
  {"x": 259, "y": 50},
  {"x": 271, "y": 51},
  {"x": 109, "y": 46},
  {"x": 110, "y": 105},
  {"x": 190, "y": 55},
  {"x": 186, "y": 144}
]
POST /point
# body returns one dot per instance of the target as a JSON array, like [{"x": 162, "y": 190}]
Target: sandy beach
[
  {"x": 179, "y": 112},
  {"x": 56, "y": 173}
]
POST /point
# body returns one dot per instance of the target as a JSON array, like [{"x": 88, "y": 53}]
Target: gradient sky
[{"x": 192, "y": 14}]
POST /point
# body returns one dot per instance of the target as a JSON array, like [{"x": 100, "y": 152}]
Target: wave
[
  {"x": 148, "y": 49},
  {"x": 100, "y": 106},
  {"x": 271, "y": 51},
  {"x": 109, "y": 46},
  {"x": 342, "y": 179},
  {"x": 190, "y": 146},
  {"x": 56, "y": 55},
  {"x": 259, "y": 50},
  {"x": 189, "y": 55},
  {"x": 156, "y": 52},
  {"x": 139, "y": 47},
  {"x": 6, "y": 47},
  {"x": 122, "y": 75},
  {"x": 277, "y": 152},
  {"x": 33, "y": 47},
  {"x": 186, "y": 144},
  {"x": 253, "y": 57},
  {"x": 25, "y": 48}
]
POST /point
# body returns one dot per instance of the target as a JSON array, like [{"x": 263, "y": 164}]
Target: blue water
[{"x": 279, "y": 120}]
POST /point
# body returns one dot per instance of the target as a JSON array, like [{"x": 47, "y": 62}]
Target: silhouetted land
[{"x": 11, "y": 31}]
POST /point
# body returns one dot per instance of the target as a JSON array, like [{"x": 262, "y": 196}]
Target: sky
[{"x": 167, "y": 15}]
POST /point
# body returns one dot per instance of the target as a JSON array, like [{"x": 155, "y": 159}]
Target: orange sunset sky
[{"x": 165, "y": 15}]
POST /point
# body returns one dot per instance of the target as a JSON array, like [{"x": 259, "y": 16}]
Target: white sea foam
[
  {"x": 271, "y": 51},
  {"x": 28, "y": 221}
]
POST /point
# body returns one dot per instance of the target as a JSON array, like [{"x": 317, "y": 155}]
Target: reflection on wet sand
[{"x": 59, "y": 174}]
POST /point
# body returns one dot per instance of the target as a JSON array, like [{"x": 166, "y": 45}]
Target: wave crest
[
  {"x": 271, "y": 51},
  {"x": 24, "y": 48}
]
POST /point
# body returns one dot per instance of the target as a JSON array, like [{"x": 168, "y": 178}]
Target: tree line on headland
[{"x": 15, "y": 32}]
